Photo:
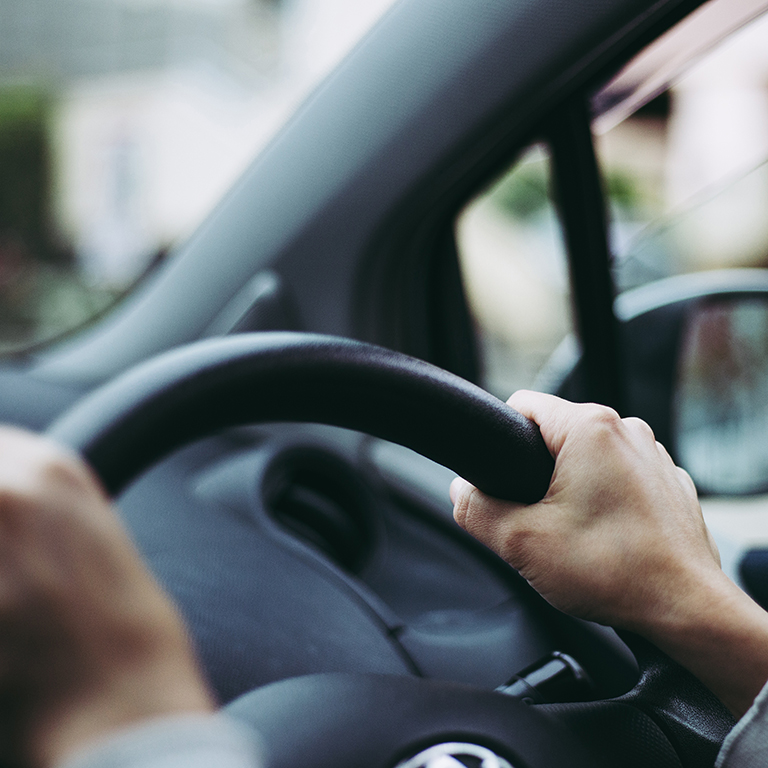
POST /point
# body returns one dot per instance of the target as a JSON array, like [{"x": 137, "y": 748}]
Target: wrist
[{"x": 717, "y": 632}]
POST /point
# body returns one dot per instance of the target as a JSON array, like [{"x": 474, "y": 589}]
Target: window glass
[
  {"x": 515, "y": 275},
  {"x": 692, "y": 168},
  {"x": 122, "y": 122}
]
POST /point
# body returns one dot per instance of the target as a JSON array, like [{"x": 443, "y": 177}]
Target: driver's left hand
[{"x": 89, "y": 643}]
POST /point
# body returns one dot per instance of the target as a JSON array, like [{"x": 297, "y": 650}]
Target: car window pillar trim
[{"x": 578, "y": 193}]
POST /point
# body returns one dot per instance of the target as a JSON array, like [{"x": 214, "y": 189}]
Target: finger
[
  {"x": 685, "y": 479},
  {"x": 551, "y": 413},
  {"x": 460, "y": 493},
  {"x": 488, "y": 520},
  {"x": 558, "y": 418}
]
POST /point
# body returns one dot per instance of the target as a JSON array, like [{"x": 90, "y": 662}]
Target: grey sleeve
[
  {"x": 183, "y": 741},
  {"x": 746, "y": 746}
]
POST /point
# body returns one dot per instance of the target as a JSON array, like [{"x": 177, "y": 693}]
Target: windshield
[{"x": 122, "y": 123}]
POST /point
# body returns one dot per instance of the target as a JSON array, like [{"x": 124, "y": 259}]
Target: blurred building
[{"x": 156, "y": 106}]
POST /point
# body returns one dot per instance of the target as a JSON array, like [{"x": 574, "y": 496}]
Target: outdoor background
[{"x": 122, "y": 122}]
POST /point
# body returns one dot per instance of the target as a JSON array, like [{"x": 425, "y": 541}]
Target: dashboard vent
[{"x": 321, "y": 500}]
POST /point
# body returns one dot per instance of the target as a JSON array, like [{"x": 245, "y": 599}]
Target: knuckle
[
  {"x": 39, "y": 485},
  {"x": 519, "y": 549},
  {"x": 639, "y": 426},
  {"x": 601, "y": 422},
  {"x": 638, "y": 423},
  {"x": 686, "y": 480},
  {"x": 602, "y": 415},
  {"x": 60, "y": 472},
  {"x": 58, "y": 468}
]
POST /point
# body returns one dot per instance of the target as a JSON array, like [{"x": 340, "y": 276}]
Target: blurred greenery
[
  {"x": 624, "y": 192},
  {"x": 524, "y": 192},
  {"x": 25, "y": 170},
  {"x": 44, "y": 302},
  {"x": 42, "y": 295}
]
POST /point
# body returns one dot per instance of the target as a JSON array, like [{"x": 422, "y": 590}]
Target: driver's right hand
[{"x": 620, "y": 539}]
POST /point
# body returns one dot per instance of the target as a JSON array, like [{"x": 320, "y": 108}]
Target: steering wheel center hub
[{"x": 456, "y": 755}]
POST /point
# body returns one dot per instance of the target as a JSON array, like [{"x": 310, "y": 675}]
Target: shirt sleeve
[
  {"x": 180, "y": 741},
  {"x": 746, "y": 746}
]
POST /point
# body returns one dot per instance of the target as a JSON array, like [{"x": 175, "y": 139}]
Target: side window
[
  {"x": 692, "y": 168},
  {"x": 515, "y": 274}
]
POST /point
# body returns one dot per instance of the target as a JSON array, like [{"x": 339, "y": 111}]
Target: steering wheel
[{"x": 347, "y": 721}]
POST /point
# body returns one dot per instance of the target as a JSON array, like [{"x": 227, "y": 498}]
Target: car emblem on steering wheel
[{"x": 456, "y": 755}]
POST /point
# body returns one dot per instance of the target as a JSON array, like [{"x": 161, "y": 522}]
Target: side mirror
[
  {"x": 695, "y": 356},
  {"x": 720, "y": 409}
]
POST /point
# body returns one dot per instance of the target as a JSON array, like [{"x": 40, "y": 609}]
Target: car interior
[{"x": 279, "y": 406}]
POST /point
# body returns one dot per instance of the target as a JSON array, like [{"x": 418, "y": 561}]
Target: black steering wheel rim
[{"x": 193, "y": 391}]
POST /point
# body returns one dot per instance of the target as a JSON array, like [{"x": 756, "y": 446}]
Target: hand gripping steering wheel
[{"x": 346, "y": 721}]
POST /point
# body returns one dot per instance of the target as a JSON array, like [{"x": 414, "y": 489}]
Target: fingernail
[{"x": 457, "y": 484}]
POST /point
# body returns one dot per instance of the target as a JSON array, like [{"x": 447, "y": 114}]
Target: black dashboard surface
[{"x": 296, "y": 549}]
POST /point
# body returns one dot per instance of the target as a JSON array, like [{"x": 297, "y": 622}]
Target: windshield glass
[{"x": 122, "y": 122}]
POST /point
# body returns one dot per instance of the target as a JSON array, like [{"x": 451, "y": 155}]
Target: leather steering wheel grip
[{"x": 130, "y": 423}]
